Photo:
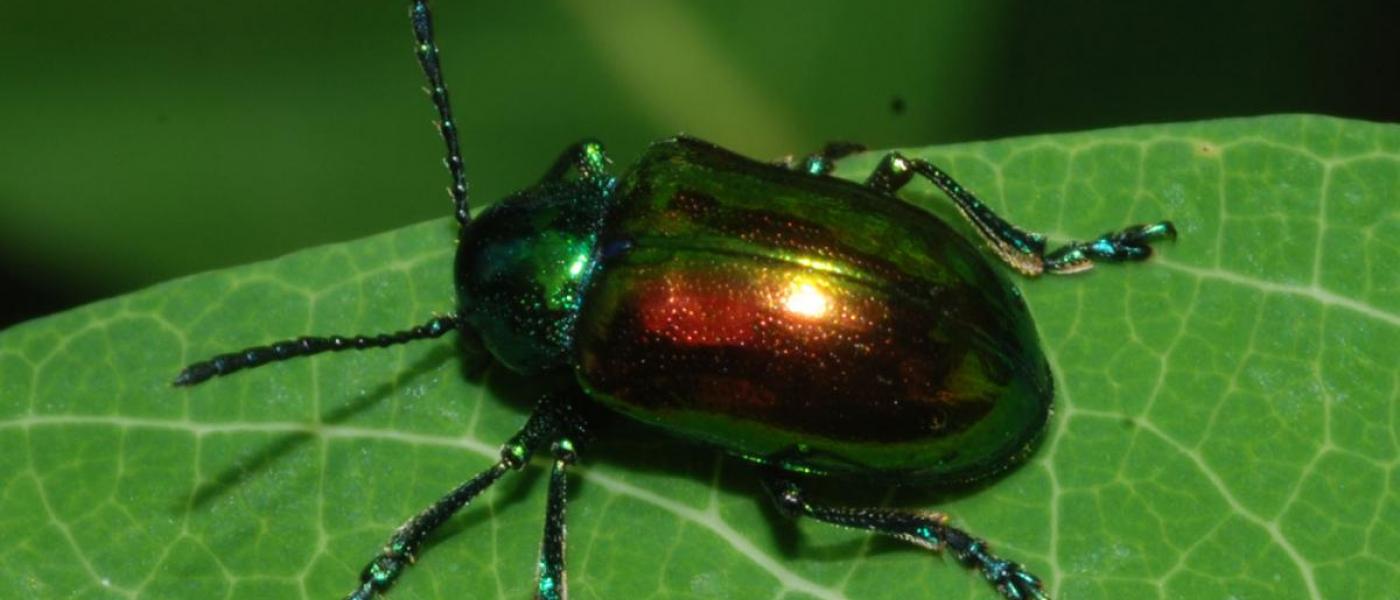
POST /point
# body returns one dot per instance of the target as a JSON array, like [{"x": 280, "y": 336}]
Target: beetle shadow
[
  {"x": 511, "y": 491},
  {"x": 241, "y": 471},
  {"x": 636, "y": 448}
]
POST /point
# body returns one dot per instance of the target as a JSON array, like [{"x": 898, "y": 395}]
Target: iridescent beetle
[{"x": 810, "y": 325}]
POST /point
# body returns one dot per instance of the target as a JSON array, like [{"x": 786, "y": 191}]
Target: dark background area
[{"x": 148, "y": 139}]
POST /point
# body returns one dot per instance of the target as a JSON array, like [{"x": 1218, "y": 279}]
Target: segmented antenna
[
  {"x": 427, "y": 51},
  {"x": 257, "y": 356}
]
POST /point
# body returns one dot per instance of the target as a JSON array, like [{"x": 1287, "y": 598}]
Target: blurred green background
[{"x": 145, "y": 139}]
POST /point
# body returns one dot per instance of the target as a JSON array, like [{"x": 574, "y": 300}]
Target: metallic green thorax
[{"x": 521, "y": 268}]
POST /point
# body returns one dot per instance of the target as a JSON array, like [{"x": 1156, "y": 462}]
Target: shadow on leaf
[{"x": 260, "y": 461}]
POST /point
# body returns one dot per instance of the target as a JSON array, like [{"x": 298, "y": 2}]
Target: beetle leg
[
  {"x": 552, "y": 581},
  {"x": 587, "y": 157},
  {"x": 930, "y": 530},
  {"x": 1022, "y": 250},
  {"x": 402, "y": 548},
  {"x": 823, "y": 162}
]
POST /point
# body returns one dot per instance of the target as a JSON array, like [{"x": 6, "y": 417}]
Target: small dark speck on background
[{"x": 897, "y": 105}]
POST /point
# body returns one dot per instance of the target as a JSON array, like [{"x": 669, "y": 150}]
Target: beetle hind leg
[
  {"x": 1022, "y": 250},
  {"x": 930, "y": 530}
]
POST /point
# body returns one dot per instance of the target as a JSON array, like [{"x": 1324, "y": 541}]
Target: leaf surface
[{"x": 1226, "y": 420}]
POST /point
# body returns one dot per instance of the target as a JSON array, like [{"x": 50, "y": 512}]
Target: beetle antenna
[
  {"x": 427, "y": 52},
  {"x": 257, "y": 356}
]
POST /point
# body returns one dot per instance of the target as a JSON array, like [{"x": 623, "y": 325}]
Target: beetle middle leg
[
  {"x": 550, "y": 420},
  {"x": 1022, "y": 250},
  {"x": 930, "y": 530}
]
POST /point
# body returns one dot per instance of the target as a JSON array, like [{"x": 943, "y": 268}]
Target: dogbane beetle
[{"x": 812, "y": 326}]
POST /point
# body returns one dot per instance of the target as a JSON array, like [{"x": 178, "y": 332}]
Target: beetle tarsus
[
  {"x": 364, "y": 592},
  {"x": 1129, "y": 244},
  {"x": 1009, "y": 578},
  {"x": 930, "y": 530},
  {"x": 1024, "y": 251},
  {"x": 1020, "y": 585}
]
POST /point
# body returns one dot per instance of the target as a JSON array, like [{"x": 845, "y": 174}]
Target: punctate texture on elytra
[{"x": 807, "y": 322}]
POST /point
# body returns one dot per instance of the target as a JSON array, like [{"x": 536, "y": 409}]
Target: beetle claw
[{"x": 1015, "y": 583}]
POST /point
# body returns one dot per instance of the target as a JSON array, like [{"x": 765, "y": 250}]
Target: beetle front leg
[
  {"x": 1022, "y": 250},
  {"x": 402, "y": 548},
  {"x": 930, "y": 530},
  {"x": 552, "y": 582}
]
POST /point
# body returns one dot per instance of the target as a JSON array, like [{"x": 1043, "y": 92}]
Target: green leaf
[{"x": 1226, "y": 423}]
